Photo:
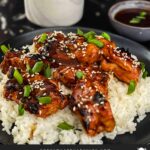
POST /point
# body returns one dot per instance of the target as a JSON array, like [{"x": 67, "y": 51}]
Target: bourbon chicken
[{"x": 80, "y": 62}]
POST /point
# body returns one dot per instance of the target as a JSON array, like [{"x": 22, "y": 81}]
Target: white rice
[{"x": 33, "y": 130}]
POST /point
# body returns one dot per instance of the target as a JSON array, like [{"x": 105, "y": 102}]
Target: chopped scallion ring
[
  {"x": 131, "y": 87},
  {"x": 96, "y": 42},
  {"x": 79, "y": 32},
  {"x": 143, "y": 13},
  {"x": 37, "y": 67},
  {"x": 43, "y": 38},
  {"x": 18, "y": 76},
  {"x": 4, "y": 49},
  {"x": 48, "y": 72},
  {"x": 90, "y": 35},
  {"x": 20, "y": 110},
  {"x": 65, "y": 126},
  {"x": 27, "y": 91},
  {"x": 106, "y": 36},
  {"x": 79, "y": 74},
  {"x": 140, "y": 17},
  {"x": 142, "y": 66},
  {"x": 135, "y": 21},
  {"x": 44, "y": 100},
  {"x": 145, "y": 74}
]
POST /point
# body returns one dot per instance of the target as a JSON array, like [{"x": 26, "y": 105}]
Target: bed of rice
[{"x": 32, "y": 130}]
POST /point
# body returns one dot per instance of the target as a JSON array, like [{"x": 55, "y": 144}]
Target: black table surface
[{"x": 13, "y": 21}]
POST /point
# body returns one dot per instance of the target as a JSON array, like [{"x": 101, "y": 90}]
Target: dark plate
[{"x": 142, "y": 135}]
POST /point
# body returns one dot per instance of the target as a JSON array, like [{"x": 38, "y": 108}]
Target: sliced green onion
[
  {"x": 142, "y": 66},
  {"x": 79, "y": 32},
  {"x": 106, "y": 36},
  {"x": 131, "y": 87},
  {"x": 27, "y": 91},
  {"x": 96, "y": 42},
  {"x": 44, "y": 100},
  {"x": 90, "y": 35},
  {"x": 20, "y": 110},
  {"x": 18, "y": 76},
  {"x": 65, "y": 126},
  {"x": 135, "y": 21},
  {"x": 28, "y": 68},
  {"x": 37, "y": 67},
  {"x": 43, "y": 38},
  {"x": 4, "y": 49},
  {"x": 145, "y": 74},
  {"x": 79, "y": 74},
  {"x": 143, "y": 13},
  {"x": 140, "y": 17},
  {"x": 48, "y": 72}
]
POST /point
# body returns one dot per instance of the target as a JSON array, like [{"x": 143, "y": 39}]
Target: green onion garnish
[
  {"x": 79, "y": 32},
  {"x": 139, "y": 18},
  {"x": 143, "y": 13},
  {"x": 145, "y": 72},
  {"x": 142, "y": 66},
  {"x": 43, "y": 38},
  {"x": 135, "y": 21},
  {"x": 28, "y": 68},
  {"x": 44, "y": 100},
  {"x": 4, "y": 49},
  {"x": 27, "y": 91},
  {"x": 65, "y": 126},
  {"x": 18, "y": 76},
  {"x": 96, "y": 42},
  {"x": 131, "y": 87},
  {"x": 37, "y": 67},
  {"x": 47, "y": 72},
  {"x": 20, "y": 110},
  {"x": 106, "y": 36},
  {"x": 89, "y": 35},
  {"x": 79, "y": 74}
]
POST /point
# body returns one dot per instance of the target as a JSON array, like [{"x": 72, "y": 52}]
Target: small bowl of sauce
[{"x": 132, "y": 19}]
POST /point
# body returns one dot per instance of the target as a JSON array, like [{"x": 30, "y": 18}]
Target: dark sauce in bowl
[{"x": 126, "y": 15}]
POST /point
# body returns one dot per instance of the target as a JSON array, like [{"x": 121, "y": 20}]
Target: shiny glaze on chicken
[{"x": 69, "y": 54}]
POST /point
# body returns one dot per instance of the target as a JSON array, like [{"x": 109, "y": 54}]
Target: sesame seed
[
  {"x": 74, "y": 108},
  {"x": 79, "y": 105}
]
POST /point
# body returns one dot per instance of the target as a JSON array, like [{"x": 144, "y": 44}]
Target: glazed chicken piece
[
  {"x": 74, "y": 50},
  {"x": 54, "y": 47},
  {"x": 65, "y": 75},
  {"x": 41, "y": 87},
  {"x": 20, "y": 61},
  {"x": 71, "y": 49},
  {"x": 89, "y": 101},
  {"x": 119, "y": 72},
  {"x": 124, "y": 65},
  {"x": 6, "y": 63}
]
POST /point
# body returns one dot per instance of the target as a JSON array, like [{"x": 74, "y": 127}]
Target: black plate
[{"x": 142, "y": 135}]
